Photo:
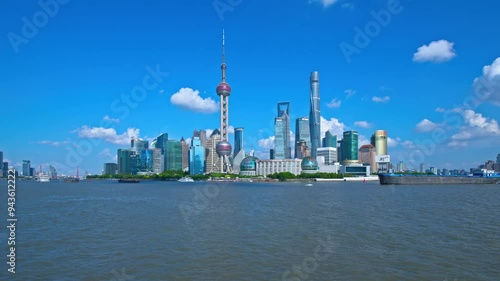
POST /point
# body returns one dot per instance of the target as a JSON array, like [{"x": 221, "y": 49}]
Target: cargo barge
[{"x": 480, "y": 177}]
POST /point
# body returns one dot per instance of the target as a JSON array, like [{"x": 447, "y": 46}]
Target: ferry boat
[
  {"x": 185, "y": 179},
  {"x": 41, "y": 177},
  {"x": 482, "y": 176}
]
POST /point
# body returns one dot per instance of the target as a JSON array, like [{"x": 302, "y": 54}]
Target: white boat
[
  {"x": 185, "y": 179},
  {"x": 309, "y": 184},
  {"x": 41, "y": 177}
]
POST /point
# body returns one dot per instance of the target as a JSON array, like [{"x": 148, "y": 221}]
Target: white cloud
[
  {"x": 107, "y": 118},
  {"x": 363, "y": 124},
  {"x": 392, "y": 142},
  {"x": 381, "y": 99},
  {"x": 334, "y": 126},
  {"x": 408, "y": 144},
  {"x": 105, "y": 153},
  {"x": 347, "y": 6},
  {"x": 230, "y": 129},
  {"x": 349, "y": 93},
  {"x": 334, "y": 103},
  {"x": 267, "y": 143},
  {"x": 325, "y": 3},
  {"x": 436, "y": 51},
  {"x": 190, "y": 99},
  {"x": 440, "y": 109},
  {"x": 54, "y": 143},
  {"x": 487, "y": 87},
  {"x": 362, "y": 140},
  {"x": 476, "y": 128},
  {"x": 426, "y": 126},
  {"x": 107, "y": 134}
]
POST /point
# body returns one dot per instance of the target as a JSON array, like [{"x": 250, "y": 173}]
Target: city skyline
[{"x": 415, "y": 89}]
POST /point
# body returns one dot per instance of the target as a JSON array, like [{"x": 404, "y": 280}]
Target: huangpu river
[{"x": 105, "y": 230}]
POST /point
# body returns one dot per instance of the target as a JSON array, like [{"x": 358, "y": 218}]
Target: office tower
[
  {"x": 158, "y": 161},
  {"x": 138, "y": 145},
  {"x": 315, "y": 114},
  {"x": 238, "y": 140},
  {"x": 223, "y": 147},
  {"x": 1, "y": 161},
  {"x": 196, "y": 157},
  {"x": 498, "y": 158},
  {"x": 123, "y": 159},
  {"x": 110, "y": 168},
  {"x": 162, "y": 143},
  {"x": 379, "y": 140},
  {"x": 302, "y": 132},
  {"x": 211, "y": 158},
  {"x": 329, "y": 140},
  {"x": 52, "y": 172},
  {"x": 366, "y": 155},
  {"x": 5, "y": 168},
  {"x": 146, "y": 161},
  {"x": 282, "y": 149},
  {"x": 350, "y": 147},
  {"x": 185, "y": 154},
  {"x": 422, "y": 168},
  {"x": 340, "y": 152},
  {"x": 329, "y": 155},
  {"x": 203, "y": 138},
  {"x": 174, "y": 156},
  {"x": 26, "y": 168}
]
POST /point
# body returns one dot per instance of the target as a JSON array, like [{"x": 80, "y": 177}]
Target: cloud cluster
[
  {"x": 487, "y": 87},
  {"x": 381, "y": 99},
  {"x": 108, "y": 135},
  {"x": 436, "y": 51},
  {"x": 190, "y": 99}
]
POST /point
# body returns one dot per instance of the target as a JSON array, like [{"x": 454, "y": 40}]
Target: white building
[
  {"x": 269, "y": 167},
  {"x": 356, "y": 170},
  {"x": 329, "y": 154}
]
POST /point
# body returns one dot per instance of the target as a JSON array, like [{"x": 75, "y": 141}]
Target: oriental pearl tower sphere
[{"x": 223, "y": 148}]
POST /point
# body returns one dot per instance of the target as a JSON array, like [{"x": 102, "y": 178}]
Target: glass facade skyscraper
[
  {"x": 315, "y": 114},
  {"x": 282, "y": 149},
  {"x": 350, "y": 147},
  {"x": 196, "y": 157},
  {"x": 498, "y": 158},
  {"x": 302, "y": 132},
  {"x": 123, "y": 156},
  {"x": 329, "y": 140},
  {"x": 238, "y": 140},
  {"x": 379, "y": 141},
  {"x": 26, "y": 168},
  {"x": 162, "y": 143},
  {"x": 174, "y": 156}
]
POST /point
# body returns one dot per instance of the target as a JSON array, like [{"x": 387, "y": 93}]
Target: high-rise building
[
  {"x": 137, "y": 144},
  {"x": 238, "y": 140},
  {"x": 26, "y": 168},
  {"x": 302, "y": 132},
  {"x": 282, "y": 149},
  {"x": 52, "y": 172},
  {"x": 422, "y": 168},
  {"x": 315, "y": 114},
  {"x": 366, "y": 155},
  {"x": 271, "y": 153},
  {"x": 162, "y": 143},
  {"x": 146, "y": 161},
  {"x": 329, "y": 155},
  {"x": 196, "y": 157},
  {"x": 211, "y": 157},
  {"x": 340, "y": 152},
  {"x": 203, "y": 138},
  {"x": 223, "y": 147},
  {"x": 329, "y": 140},
  {"x": 185, "y": 154},
  {"x": 123, "y": 157},
  {"x": 5, "y": 168},
  {"x": 110, "y": 168},
  {"x": 379, "y": 141},
  {"x": 1, "y": 161},
  {"x": 350, "y": 147},
  {"x": 32, "y": 172},
  {"x": 498, "y": 158},
  {"x": 174, "y": 156},
  {"x": 158, "y": 161}
]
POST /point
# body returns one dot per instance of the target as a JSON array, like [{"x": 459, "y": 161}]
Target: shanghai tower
[{"x": 315, "y": 114}]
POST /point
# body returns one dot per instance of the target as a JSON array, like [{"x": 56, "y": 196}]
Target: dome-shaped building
[
  {"x": 248, "y": 166},
  {"x": 309, "y": 165}
]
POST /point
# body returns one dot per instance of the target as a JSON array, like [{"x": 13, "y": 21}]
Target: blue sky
[{"x": 426, "y": 71}]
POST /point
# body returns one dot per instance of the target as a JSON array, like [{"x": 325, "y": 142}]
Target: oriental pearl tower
[{"x": 223, "y": 148}]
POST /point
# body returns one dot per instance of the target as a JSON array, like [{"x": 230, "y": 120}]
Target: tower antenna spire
[{"x": 223, "y": 66}]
